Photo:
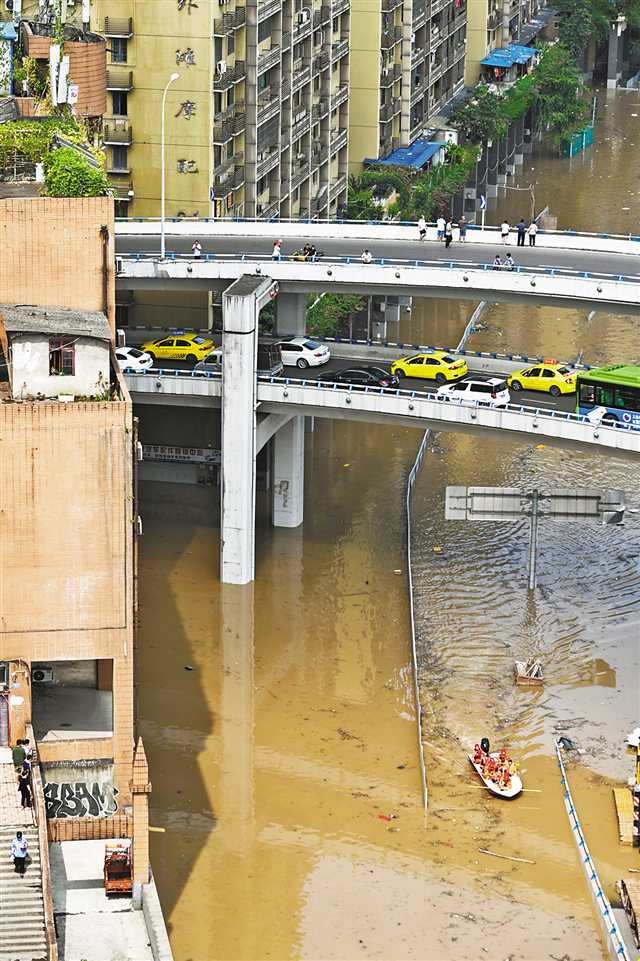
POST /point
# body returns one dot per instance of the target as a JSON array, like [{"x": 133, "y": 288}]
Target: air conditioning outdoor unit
[
  {"x": 41, "y": 674},
  {"x": 221, "y": 66},
  {"x": 303, "y": 16}
]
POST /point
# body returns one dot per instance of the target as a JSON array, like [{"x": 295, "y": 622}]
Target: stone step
[
  {"x": 23, "y": 934},
  {"x": 31, "y": 912},
  {"x": 35, "y": 953}
]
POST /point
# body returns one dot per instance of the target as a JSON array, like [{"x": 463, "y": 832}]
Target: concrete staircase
[{"x": 22, "y": 927}]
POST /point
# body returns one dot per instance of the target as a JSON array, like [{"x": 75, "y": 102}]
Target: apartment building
[
  {"x": 495, "y": 24},
  {"x": 256, "y": 124},
  {"x": 407, "y": 64}
]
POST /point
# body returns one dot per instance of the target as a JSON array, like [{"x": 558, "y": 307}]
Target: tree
[
  {"x": 68, "y": 174},
  {"x": 580, "y": 20},
  {"x": 329, "y": 314},
  {"x": 480, "y": 118},
  {"x": 557, "y": 88},
  {"x": 361, "y": 204}
]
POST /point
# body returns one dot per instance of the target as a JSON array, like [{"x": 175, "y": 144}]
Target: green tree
[
  {"x": 558, "y": 93},
  {"x": 580, "y": 20},
  {"x": 481, "y": 118},
  {"x": 68, "y": 174},
  {"x": 329, "y": 314}
]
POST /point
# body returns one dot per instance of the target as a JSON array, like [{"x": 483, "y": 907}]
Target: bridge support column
[
  {"x": 614, "y": 59},
  {"x": 238, "y": 468},
  {"x": 291, "y": 314},
  {"x": 288, "y": 474}
]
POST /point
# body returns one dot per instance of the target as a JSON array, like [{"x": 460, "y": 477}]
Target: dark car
[{"x": 361, "y": 377}]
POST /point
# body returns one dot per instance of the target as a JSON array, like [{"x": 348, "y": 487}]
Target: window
[
  {"x": 548, "y": 373},
  {"x": 118, "y": 50},
  {"x": 119, "y": 103},
  {"x": 217, "y": 103},
  {"x": 534, "y": 372},
  {"x": 231, "y": 44},
  {"x": 62, "y": 355},
  {"x": 121, "y": 209},
  {"x": 122, "y": 310},
  {"x": 587, "y": 395},
  {"x": 119, "y": 158},
  {"x": 604, "y": 395},
  {"x": 263, "y": 183}
]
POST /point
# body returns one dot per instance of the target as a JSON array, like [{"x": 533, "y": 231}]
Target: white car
[
  {"x": 302, "y": 352},
  {"x": 131, "y": 358},
  {"x": 492, "y": 391},
  {"x": 212, "y": 362}
]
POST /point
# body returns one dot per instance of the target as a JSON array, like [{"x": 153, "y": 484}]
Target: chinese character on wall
[
  {"x": 187, "y": 57},
  {"x": 187, "y": 167},
  {"x": 187, "y": 110}
]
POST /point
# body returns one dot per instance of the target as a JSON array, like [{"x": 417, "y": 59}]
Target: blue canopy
[
  {"x": 520, "y": 53},
  {"x": 416, "y": 155},
  {"x": 499, "y": 58},
  {"x": 7, "y": 31}
]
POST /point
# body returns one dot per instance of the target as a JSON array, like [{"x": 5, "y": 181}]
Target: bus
[{"x": 616, "y": 388}]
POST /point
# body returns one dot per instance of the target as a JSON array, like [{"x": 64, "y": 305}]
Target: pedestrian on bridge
[
  {"x": 422, "y": 228},
  {"x": 522, "y": 229},
  {"x": 497, "y": 262},
  {"x": 196, "y": 249},
  {"x": 504, "y": 231},
  {"x": 508, "y": 263},
  {"x": 462, "y": 225},
  {"x": 19, "y": 849},
  {"x": 366, "y": 257},
  {"x": 277, "y": 254},
  {"x": 448, "y": 233},
  {"x": 440, "y": 225},
  {"x": 532, "y": 231}
]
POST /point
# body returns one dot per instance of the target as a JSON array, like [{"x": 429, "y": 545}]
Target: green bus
[{"x": 616, "y": 388}]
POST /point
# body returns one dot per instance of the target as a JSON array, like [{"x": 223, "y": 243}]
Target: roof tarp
[
  {"x": 520, "y": 53},
  {"x": 415, "y": 156},
  {"x": 499, "y": 58}
]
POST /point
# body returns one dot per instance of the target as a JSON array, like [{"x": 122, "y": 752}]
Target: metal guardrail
[
  {"x": 391, "y": 262},
  {"x": 610, "y": 931}
]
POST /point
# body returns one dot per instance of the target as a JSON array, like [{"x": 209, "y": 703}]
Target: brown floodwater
[{"x": 279, "y": 718}]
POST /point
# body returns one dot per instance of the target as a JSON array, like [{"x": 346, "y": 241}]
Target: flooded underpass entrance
[{"x": 279, "y": 719}]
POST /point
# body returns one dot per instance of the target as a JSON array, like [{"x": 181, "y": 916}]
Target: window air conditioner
[
  {"x": 42, "y": 674},
  {"x": 303, "y": 16},
  {"x": 221, "y": 66}
]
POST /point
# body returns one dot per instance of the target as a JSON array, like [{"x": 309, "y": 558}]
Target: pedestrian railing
[{"x": 40, "y": 817}]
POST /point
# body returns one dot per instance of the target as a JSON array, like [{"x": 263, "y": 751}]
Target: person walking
[
  {"x": 504, "y": 231},
  {"x": 462, "y": 224},
  {"x": 508, "y": 262},
  {"x": 522, "y": 229},
  {"x": 366, "y": 257},
  {"x": 24, "y": 786},
  {"x": 448, "y": 233},
  {"x": 497, "y": 263},
  {"x": 18, "y": 754},
  {"x": 19, "y": 849},
  {"x": 196, "y": 249},
  {"x": 440, "y": 225},
  {"x": 277, "y": 253},
  {"x": 422, "y": 228},
  {"x": 532, "y": 231}
]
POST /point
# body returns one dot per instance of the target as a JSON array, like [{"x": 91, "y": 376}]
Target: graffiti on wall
[{"x": 79, "y": 799}]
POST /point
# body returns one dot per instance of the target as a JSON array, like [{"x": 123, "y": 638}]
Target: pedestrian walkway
[{"x": 22, "y": 929}]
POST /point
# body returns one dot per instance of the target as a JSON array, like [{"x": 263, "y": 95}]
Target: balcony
[
  {"x": 338, "y": 140},
  {"x": 419, "y": 17},
  {"x": 418, "y": 92},
  {"x": 268, "y": 59},
  {"x": 229, "y": 123},
  {"x": 118, "y": 27},
  {"x": 229, "y": 22},
  {"x": 339, "y": 6},
  {"x": 340, "y": 95},
  {"x": 337, "y": 186},
  {"x": 390, "y": 37},
  {"x": 268, "y": 211},
  {"x": 389, "y": 5},
  {"x": 389, "y": 75},
  {"x": 119, "y": 79},
  {"x": 320, "y": 109},
  {"x": 113, "y": 167},
  {"x": 390, "y": 110},
  {"x": 321, "y": 16},
  {"x": 321, "y": 61},
  {"x": 267, "y": 8},
  {"x": 268, "y": 163},
  {"x": 232, "y": 75},
  {"x": 117, "y": 133},
  {"x": 340, "y": 48},
  {"x": 417, "y": 57},
  {"x": 122, "y": 189},
  {"x": 301, "y": 73},
  {"x": 300, "y": 124},
  {"x": 231, "y": 173},
  {"x": 268, "y": 107},
  {"x": 435, "y": 71},
  {"x": 298, "y": 174},
  {"x": 437, "y": 5},
  {"x": 302, "y": 28},
  {"x": 436, "y": 38}
]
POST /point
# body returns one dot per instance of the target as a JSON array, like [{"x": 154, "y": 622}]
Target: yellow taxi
[
  {"x": 554, "y": 379},
  {"x": 190, "y": 347},
  {"x": 437, "y": 365}
]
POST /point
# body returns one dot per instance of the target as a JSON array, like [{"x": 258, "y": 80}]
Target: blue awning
[
  {"x": 7, "y": 31},
  {"x": 415, "y": 156},
  {"x": 499, "y": 58},
  {"x": 521, "y": 54}
]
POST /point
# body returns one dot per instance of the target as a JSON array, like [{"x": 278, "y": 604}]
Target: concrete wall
[
  {"x": 47, "y": 244},
  {"x": 364, "y": 107},
  {"x": 67, "y": 539},
  {"x": 30, "y": 368}
]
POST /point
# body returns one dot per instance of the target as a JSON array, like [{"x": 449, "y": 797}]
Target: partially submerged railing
[{"x": 40, "y": 815}]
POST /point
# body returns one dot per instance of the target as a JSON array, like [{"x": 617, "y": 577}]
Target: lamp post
[{"x": 172, "y": 78}]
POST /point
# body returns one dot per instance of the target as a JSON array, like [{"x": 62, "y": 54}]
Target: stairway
[{"x": 22, "y": 930}]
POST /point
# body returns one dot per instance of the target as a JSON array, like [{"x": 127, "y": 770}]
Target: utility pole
[{"x": 533, "y": 201}]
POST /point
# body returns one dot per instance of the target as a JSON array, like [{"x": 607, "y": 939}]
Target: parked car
[
  {"x": 554, "y": 379},
  {"x": 436, "y": 365},
  {"x": 492, "y": 391},
  {"x": 360, "y": 377},
  {"x": 188, "y": 346},
  {"x": 131, "y": 358},
  {"x": 303, "y": 352}
]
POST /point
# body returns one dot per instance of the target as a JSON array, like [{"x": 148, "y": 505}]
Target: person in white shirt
[
  {"x": 440, "y": 225},
  {"x": 532, "y": 231},
  {"x": 504, "y": 231},
  {"x": 509, "y": 263},
  {"x": 19, "y": 848},
  {"x": 366, "y": 257},
  {"x": 196, "y": 249},
  {"x": 277, "y": 255},
  {"x": 422, "y": 228}
]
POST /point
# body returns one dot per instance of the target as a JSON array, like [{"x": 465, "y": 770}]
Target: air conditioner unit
[
  {"x": 221, "y": 66},
  {"x": 42, "y": 674}
]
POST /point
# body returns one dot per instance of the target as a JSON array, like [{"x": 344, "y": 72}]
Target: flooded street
[{"x": 279, "y": 719}]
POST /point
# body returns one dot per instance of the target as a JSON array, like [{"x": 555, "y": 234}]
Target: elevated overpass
[{"x": 564, "y": 269}]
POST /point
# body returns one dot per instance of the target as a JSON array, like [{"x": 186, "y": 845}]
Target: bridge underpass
[{"x": 257, "y": 410}]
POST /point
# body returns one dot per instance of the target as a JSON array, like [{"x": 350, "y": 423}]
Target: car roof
[{"x": 483, "y": 379}]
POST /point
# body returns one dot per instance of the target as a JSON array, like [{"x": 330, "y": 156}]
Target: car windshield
[
  {"x": 448, "y": 360},
  {"x": 311, "y": 345},
  {"x": 564, "y": 370},
  {"x": 201, "y": 340}
]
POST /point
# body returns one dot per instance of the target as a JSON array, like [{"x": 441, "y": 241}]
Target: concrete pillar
[
  {"x": 519, "y": 152},
  {"x": 502, "y": 161},
  {"x": 241, "y": 303},
  {"x": 492, "y": 168},
  {"x": 291, "y": 314},
  {"x": 614, "y": 59},
  {"x": 140, "y": 790},
  {"x": 288, "y": 474}
]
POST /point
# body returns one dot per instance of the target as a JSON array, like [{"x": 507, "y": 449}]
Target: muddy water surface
[{"x": 280, "y": 756}]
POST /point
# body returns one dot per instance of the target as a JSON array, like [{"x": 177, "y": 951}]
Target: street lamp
[{"x": 172, "y": 78}]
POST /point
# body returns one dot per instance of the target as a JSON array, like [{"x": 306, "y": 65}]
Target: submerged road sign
[{"x": 510, "y": 504}]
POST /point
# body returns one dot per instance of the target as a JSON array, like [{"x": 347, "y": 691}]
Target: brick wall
[{"x": 52, "y": 254}]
